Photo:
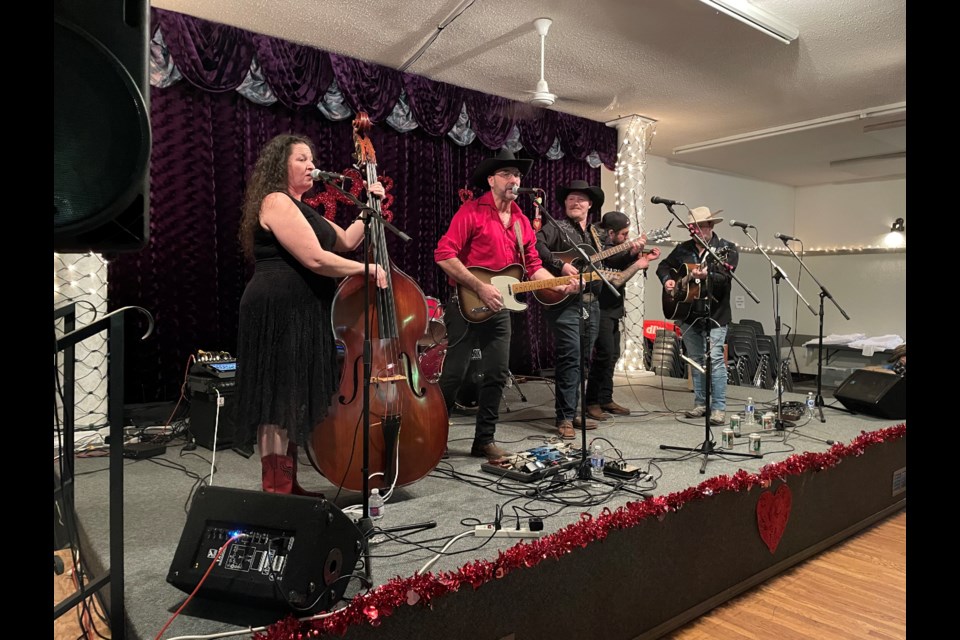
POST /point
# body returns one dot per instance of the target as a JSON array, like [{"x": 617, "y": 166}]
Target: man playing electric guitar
[
  {"x": 579, "y": 200},
  {"x": 490, "y": 232},
  {"x": 614, "y": 229},
  {"x": 689, "y": 256}
]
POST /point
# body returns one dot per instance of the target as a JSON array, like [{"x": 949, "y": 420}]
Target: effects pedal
[{"x": 620, "y": 469}]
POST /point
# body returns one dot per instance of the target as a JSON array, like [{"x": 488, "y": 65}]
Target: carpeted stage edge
[{"x": 650, "y": 578}]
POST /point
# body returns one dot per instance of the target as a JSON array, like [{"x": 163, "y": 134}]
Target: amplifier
[
  {"x": 210, "y": 386},
  {"x": 294, "y": 552}
]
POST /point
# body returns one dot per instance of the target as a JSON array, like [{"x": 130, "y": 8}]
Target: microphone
[
  {"x": 785, "y": 237},
  {"x": 316, "y": 174},
  {"x": 518, "y": 190},
  {"x": 659, "y": 200},
  {"x": 742, "y": 225}
]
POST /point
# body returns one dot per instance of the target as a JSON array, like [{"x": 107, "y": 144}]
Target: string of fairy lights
[
  {"x": 81, "y": 280},
  {"x": 630, "y": 177}
]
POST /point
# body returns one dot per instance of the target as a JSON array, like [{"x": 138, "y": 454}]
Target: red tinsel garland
[{"x": 373, "y": 606}]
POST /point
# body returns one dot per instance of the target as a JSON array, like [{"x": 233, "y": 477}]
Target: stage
[{"x": 634, "y": 561}]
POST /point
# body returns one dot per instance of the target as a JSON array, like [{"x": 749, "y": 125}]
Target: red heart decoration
[{"x": 773, "y": 511}]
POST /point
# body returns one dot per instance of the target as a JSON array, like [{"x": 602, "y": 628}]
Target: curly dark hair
[{"x": 269, "y": 175}]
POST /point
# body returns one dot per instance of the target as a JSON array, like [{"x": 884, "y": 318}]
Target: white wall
[{"x": 871, "y": 288}]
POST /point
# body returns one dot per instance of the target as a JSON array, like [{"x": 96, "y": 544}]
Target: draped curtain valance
[{"x": 218, "y": 58}]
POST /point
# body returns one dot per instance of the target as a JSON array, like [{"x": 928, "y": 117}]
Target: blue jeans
[
  {"x": 565, "y": 322},
  {"x": 694, "y": 341}
]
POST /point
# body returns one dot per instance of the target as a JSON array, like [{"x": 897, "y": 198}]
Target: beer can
[
  {"x": 727, "y": 438},
  {"x": 754, "y": 443},
  {"x": 768, "y": 421},
  {"x": 735, "y": 423}
]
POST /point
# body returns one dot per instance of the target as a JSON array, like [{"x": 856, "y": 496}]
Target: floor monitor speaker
[
  {"x": 874, "y": 393},
  {"x": 294, "y": 552}
]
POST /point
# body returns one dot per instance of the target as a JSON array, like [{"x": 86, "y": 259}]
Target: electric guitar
[
  {"x": 570, "y": 256},
  {"x": 508, "y": 283},
  {"x": 678, "y": 303}
]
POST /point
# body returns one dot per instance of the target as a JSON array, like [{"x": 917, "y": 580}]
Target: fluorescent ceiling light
[
  {"x": 757, "y": 18},
  {"x": 850, "y": 116},
  {"x": 896, "y": 155}
]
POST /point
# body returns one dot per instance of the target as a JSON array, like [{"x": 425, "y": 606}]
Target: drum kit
[
  {"x": 433, "y": 350},
  {"x": 433, "y": 344}
]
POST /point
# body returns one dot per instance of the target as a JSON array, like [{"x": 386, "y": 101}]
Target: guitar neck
[
  {"x": 534, "y": 285},
  {"x": 612, "y": 251}
]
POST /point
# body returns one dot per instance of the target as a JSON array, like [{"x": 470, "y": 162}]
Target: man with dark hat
[
  {"x": 614, "y": 229},
  {"x": 490, "y": 232},
  {"x": 696, "y": 325},
  {"x": 579, "y": 200}
]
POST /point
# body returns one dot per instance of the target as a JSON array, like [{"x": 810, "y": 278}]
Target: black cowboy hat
[
  {"x": 594, "y": 193},
  {"x": 489, "y": 166}
]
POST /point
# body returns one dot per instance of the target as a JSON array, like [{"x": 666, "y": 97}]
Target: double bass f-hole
[{"x": 407, "y": 415}]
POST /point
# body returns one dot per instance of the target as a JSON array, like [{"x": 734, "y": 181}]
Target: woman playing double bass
[{"x": 286, "y": 356}]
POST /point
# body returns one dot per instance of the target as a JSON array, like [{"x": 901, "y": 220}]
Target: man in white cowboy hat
[
  {"x": 579, "y": 200},
  {"x": 696, "y": 325},
  {"x": 614, "y": 229},
  {"x": 493, "y": 233}
]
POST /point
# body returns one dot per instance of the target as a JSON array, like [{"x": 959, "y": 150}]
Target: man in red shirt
[{"x": 493, "y": 233}]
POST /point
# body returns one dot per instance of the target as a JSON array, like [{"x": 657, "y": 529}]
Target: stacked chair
[
  {"x": 665, "y": 355},
  {"x": 755, "y": 358},
  {"x": 743, "y": 359}
]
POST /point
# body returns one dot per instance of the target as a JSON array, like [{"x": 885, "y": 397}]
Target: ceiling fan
[{"x": 542, "y": 97}]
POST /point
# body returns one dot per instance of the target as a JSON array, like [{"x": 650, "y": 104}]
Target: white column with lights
[{"x": 635, "y": 134}]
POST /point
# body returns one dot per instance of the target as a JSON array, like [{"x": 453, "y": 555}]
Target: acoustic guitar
[
  {"x": 508, "y": 283},
  {"x": 678, "y": 303}
]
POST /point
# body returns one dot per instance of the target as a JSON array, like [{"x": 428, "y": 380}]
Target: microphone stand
[
  {"x": 778, "y": 275},
  {"x": 365, "y": 523},
  {"x": 707, "y": 447},
  {"x": 583, "y": 471},
  {"x": 823, "y": 294}
]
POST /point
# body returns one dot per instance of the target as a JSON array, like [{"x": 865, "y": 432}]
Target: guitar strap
[
  {"x": 523, "y": 254},
  {"x": 596, "y": 238}
]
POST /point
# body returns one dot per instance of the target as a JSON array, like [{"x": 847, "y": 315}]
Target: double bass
[{"x": 407, "y": 415}]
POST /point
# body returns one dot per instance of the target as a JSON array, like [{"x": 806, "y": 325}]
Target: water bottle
[
  {"x": 811, "y": 404},
  {"x": 596, "y": 461},
  {"x": 376, "y": 504},
  {"x": 748, "y": 414}
]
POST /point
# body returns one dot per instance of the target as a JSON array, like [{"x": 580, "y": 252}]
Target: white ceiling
[{"x": 700, "y": 74}]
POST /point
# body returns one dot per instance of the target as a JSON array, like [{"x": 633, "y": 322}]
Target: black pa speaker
[
  {"x": 293, "y": 552},
  {"x": 101, "y": 125},
  {"x": 874, "y": 393}
]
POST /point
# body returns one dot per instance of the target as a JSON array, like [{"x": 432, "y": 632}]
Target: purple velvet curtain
[
  {"x": 206, "y": 140},
  {"x": 435, "y": 105},
  {"x": 367, "y": 86},
  {"x": 298, "y": 75}
]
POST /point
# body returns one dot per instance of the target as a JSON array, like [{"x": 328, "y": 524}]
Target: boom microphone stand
[
  {"x": 707, "y": 447},
  {"x": 365, "y": 523},
  {"x": 584, "y": 264},
  {"x": 823, "y": 294},
  {"x": 778, "y": 275}
]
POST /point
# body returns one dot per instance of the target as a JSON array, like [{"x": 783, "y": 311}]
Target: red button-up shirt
[{"x": 478, "y": 238}]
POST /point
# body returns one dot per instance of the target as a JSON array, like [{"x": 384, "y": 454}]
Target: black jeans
[
  {"x": 492, "y": 337},
  {"x": 605, "y": 356}
]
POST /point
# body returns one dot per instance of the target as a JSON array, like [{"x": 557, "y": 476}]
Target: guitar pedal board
[
  {"x": 218, "y": 364},
  {"x": 533, "y": 465}
]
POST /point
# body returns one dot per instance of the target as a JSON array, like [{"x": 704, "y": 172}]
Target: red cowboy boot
[
  {"x": 297, "y": 489},
  {"x": 277, "y": 473}
]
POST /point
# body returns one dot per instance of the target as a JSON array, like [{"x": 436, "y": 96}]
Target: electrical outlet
[{"x": 488, "y": 531}]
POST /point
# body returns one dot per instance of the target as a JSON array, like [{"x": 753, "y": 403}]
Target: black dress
[{"x": 287, "y": 366}]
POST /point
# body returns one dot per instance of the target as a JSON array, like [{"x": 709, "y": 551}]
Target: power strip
[{"x": 488, "y": 531}]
